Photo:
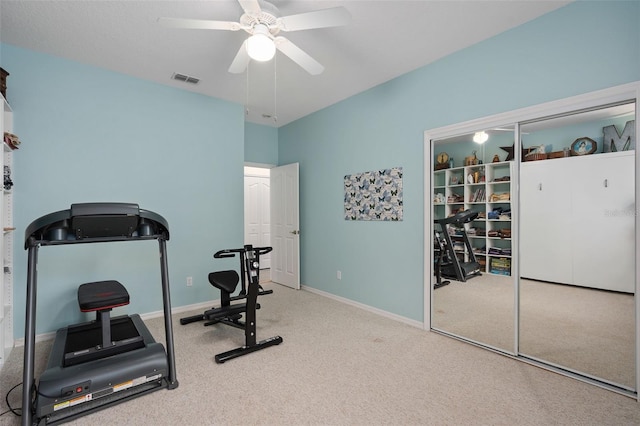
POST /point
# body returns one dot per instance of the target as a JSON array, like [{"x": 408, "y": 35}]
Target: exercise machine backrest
[
  {"x": 243, "y": 252},
  {"x": 91, "y": 223}
]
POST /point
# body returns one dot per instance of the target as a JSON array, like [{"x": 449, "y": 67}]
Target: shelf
[
  {"x": 6, "y": 248},
  {"x": 456, "y": 182}
]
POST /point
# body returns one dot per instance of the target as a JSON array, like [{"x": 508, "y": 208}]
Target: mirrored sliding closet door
[
  {"x": 533, "y": 235},
  {"x": 473, "y": 290},
  {"x": 577, "y": 243}
]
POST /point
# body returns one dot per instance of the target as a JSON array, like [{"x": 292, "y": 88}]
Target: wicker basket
[
  {"x": 535, "y": 157},
  {"x": 556, "y": 154}
]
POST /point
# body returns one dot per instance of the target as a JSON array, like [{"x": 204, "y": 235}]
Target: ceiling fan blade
[
  {"x": 241, "y": 60},
  {"x": 298, "y": 56},
  {"x": 331, "y": 17},
  {"x": 250, "y": 7},
  {"x": 199, "y": 24}
]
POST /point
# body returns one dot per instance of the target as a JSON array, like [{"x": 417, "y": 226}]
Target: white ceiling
[{"x": 384, "y": 40}]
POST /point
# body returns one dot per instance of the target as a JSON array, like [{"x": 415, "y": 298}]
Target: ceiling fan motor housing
[{"x": 268, "y": 16}]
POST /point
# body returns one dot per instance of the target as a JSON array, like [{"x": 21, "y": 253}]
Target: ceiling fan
[{"x": 263, "y": 22}]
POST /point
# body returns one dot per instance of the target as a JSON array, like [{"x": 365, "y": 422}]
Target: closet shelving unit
[
  {"x": 487, "y": 189},
  {"x": 6, "y": 243}
]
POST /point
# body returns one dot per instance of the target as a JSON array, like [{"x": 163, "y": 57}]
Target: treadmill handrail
[
  {"x": 57, "y": 228},
  {"x": 458, "y": 218}
]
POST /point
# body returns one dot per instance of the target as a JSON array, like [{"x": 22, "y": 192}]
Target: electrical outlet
[
  {"x": 339, "y": 275},
  {"x": 189, "y": 281}
]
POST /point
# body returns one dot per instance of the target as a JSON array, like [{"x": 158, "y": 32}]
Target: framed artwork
[
  {"x": 375, "y": 195},
  {"x": 583, "y": 146}
]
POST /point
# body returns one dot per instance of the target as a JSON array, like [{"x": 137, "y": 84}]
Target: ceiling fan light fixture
[{"x": 260, "y": 47}]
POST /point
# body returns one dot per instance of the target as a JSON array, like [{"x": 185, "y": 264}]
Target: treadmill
[
  {"x": 98, "y": 364},
  {"x": 450, "y": 265}
]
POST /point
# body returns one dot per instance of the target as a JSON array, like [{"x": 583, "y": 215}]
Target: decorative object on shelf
[
  {"x": 583, "y": 146},
  {"x": 536, "y": 153},
  {"x": 8, "y": 183},
  {"x": 442, "y": 161},
  {"x": 496, "y": 159},
  {"x": 471, "y": 160},
  {"x": 511, "y": 150},
  {"x": 375, "y": 195},
  {"x": 3, "y": 82},
  {"x": 11, "y": 140},
  {"x": 614, "y": 141}
]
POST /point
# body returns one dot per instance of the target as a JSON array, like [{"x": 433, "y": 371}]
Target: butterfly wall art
[{"x": 374, "y": 195}]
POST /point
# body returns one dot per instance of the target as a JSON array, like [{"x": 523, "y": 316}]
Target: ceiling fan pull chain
[
  {"x": 246, "y": 102},
  {"x": 275, "y": 89}
]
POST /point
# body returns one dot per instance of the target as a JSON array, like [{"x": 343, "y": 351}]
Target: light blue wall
[
  {"x": 582, "y": 47},
  {"x": 260, "y": 144},
  {"x": 93, "y": 135}
]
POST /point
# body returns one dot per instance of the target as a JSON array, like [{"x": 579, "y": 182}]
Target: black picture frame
[{"x": 583, "y": 146}]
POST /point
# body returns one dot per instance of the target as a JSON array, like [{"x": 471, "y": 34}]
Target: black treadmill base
[
  {"x": 79, "y": 388},
  {"x": 102, "y": 403}
]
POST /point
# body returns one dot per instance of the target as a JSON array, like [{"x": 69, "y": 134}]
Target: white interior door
[
  {"x": 257, "y": 211},
  {"x": 285, "y": 226}
]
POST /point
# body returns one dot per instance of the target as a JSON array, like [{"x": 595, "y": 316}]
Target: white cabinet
[
  {"x": 6, "y": 244},
  {"x": 578, "y": 221}
]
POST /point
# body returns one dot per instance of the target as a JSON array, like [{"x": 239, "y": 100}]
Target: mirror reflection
[
  {"x": 473, "y": 295},
  {"x": 577, "y": 243}
]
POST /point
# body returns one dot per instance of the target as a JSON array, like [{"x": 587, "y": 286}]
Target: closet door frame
[{"x": 616, "y": 94}]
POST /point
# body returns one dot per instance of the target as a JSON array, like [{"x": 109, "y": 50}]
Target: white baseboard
[
  {"x": 395, "y": 317},
  {"x": 207, "y": 305},
  {"x": 180, "y": 309},
  {"x": 149, "y": 315}
]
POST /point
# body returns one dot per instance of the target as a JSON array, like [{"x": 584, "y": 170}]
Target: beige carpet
[
  {"x": 340, "y": 365},
  {"x": 582, "y": 329}
]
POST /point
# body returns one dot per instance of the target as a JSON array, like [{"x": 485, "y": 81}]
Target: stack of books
[
  {"x": 478, "y": 196},
  {"x": 500, "y": 265}
]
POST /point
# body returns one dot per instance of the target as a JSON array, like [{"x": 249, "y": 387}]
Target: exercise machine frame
[
  {"x": 96, "y": 223},
  {"x": 448, "y": 263},
  {"x": 224, "y": 314},
  {"x": 229, "y": 313}
]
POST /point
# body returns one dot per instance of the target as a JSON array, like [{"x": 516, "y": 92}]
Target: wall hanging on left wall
[{"x": 375, "y": 195}]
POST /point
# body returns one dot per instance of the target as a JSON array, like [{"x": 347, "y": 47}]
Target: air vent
[{"x": 185, "y": 78}]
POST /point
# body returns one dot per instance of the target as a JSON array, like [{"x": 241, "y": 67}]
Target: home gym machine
[
  {"x": 101, "y": 363},
  {"x": 448, "y": 264},
  {"x": 231, "y": 314}
]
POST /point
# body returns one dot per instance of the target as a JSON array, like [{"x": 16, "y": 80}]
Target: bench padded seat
[
  {"x": 225, "y": 280},
  {"x": 101, "y": 295}
]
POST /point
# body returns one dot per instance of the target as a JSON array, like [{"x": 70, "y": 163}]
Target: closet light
[
  {"x": 260, "y": 47},
  {"x": 480, "y": 137}
]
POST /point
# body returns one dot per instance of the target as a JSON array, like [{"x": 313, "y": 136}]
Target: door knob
[{"x": 295, "y": 232}]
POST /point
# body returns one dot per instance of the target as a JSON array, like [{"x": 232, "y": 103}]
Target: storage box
[{"x": 3, "y": 82}]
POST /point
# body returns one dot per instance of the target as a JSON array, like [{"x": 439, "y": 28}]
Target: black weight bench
[
  {"x": 226, "y": 282},
  {"x": 105, "y": 336}
]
